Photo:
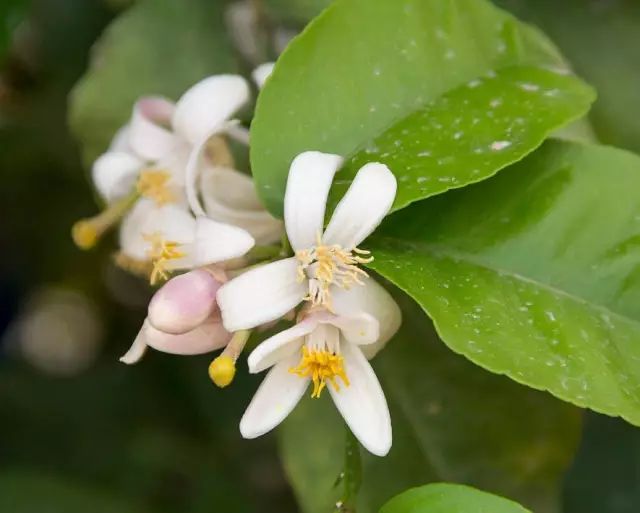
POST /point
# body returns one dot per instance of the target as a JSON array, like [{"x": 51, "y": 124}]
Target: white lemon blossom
[
  {"x": 144, "y": 175},
  {"x": 323, "y": 262},
  {"x": 328, "y": 351}
]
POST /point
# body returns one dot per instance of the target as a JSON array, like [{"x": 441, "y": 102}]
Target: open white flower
[
  {"x": 142, "y": 177},
  {"x": 323, "y": 262},
  {"x": 328, "y": 351}
]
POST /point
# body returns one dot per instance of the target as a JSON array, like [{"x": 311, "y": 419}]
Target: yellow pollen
[
  {"x": 154, "y": 185},
  {"x": 321, "y": 366},
  {"x": 161, "y": 253},
  {"x": 330, "y": 265},
  {"x": 222, "y": 370}
]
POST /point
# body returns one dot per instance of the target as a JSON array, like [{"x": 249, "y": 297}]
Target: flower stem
[{"x": 351, "y": 476}]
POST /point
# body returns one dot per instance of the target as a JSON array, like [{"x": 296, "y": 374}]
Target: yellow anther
[
  {"x": 154, "y": 185},
  {"x": 330, "y": 265},
  {"x": 161, "y": 253},
  {"x": 321, "y": 366},
  {"x": 222, "y": 370},
  {"x": 85, "y": 233}
]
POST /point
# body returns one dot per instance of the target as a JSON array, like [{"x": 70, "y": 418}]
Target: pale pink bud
[
  {"x": 207, "y": 337},
  {"x": 184, "y": 302}
]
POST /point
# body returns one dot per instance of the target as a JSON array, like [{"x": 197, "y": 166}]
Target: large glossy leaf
[
  {"x": 449, "y": 498},
  {"x": 601, "y": 42},
  {"x": 450, "y": 423},
  {"x": 471, "y": 132},
  {"x": 394, "y": 58},
  {"x": 156, "y": 47},
  {"x": 535, "y": 273}
]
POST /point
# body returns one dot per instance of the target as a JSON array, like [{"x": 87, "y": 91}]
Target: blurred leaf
[
  {"x": 472, "y": 132},
  {"x": 449, "y": 498},
  {"x": 604, "y": 476},
  {"x": 32, "y": 492},
  {"x": 600, "y": 39},
  {"x": 451, "y": 421},
  {"x": 295, "y": 11},
  {"x": 156, "y": 47},
  {"x": 534, "y": 274},
  {"x": 11, "y": 14},
  {"x": 392, "y": 57}
]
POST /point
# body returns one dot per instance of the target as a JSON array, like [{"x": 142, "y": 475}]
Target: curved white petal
[
  {"x": 359, "y": 329},
  {"x": 280, "y": 346},
  {"x": 114, "y": 174},
  {"x": 262, "y": 73},
  {"x": 145, "y": 219},
  {"x": 230, "y": 197},
  {"x": 261, "y": 295},
  {"x": 148, "y": 135},
  {"x": 216, "y": 242},
  {"x": 207, "y": 105},
  {"x": 373, "y": 299},
  {"x": 120, "y": 141},
  {"x": 138, "y": 348},
  {"x": 305, "y": 199},
  {"x": 276, "y": 397},
  {"x": 362, "y": 404},
  {"x": 207, "y": 337},
  {"x": 363, "y": 207}
]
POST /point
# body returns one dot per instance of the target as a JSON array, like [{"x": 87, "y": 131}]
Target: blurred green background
[{"x": 81, "y": 432}]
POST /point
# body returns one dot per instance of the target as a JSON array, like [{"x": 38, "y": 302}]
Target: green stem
[{"x": 351, "y": 476}]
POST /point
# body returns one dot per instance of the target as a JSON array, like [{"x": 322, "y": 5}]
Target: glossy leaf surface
[{"x": 534, "y": 273}]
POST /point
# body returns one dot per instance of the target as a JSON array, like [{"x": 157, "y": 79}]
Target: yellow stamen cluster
[
  {"x": 321, "y": 366},
  {"x": 330, "y": 265},
  {"x": 154, "y": 185},
  {"x": 161, "y": 253}
]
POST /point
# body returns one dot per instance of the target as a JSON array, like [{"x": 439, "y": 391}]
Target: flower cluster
[{"x": 170, "y": 181}]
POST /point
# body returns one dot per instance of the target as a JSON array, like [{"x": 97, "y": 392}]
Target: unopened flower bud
[{"x": 184, "y": 302}]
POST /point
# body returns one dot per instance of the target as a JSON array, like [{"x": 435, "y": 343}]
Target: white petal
[
  {"x": 261, "y": 295},
  {"x": 120, "y": 141},
  {"x": 207, "y": 337},
  {"x": 363, "y": 207},
  {"x": 373, "y": 299},
  {"x": 145, "y": 218},
  {"x": 207, "y": 105},
  {"x": 148, "y": 135},
  {"x": 305, "y": 199},
  {"x": 280, "y": 346},
  {"x": 115, "y": 173},
  {"x": 137, "y": 349},
  {"x": 216, "y": 242},
  {"x": 229, "y": 197},
  {"x": 362, "y": 404},
  {"x": 262, "y": 73},
  {"x": 359, "y": 329},
  {"x": 276, "y": 397}
]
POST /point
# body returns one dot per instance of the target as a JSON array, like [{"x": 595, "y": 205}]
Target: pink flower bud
[
  {"x": 207, "y": 337},
  {"x": 184, "y": 302}
]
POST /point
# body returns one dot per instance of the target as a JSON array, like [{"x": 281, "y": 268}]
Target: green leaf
[
  {"x": 470, "y": 133},
  {"x": 361, "y": 66},
  {"x": 601, "y": 41},
  {"x": 437, "y": 401},
  {"x": 534, "y": 274},
  {"x": 157, "y": 47},
  {"x": 449, "y": 498}
]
